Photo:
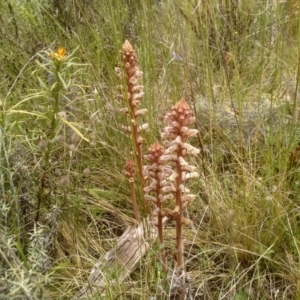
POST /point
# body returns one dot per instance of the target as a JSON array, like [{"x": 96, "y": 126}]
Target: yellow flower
[{"x": 60, "y": 55}]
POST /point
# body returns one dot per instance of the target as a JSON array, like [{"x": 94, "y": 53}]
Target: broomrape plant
[
  {"x": 132, "y": 93},
  {"x": 175, "y": 137},
  {"x": 164, "y": 177}
]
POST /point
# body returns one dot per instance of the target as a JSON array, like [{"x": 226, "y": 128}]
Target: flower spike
[
  {"x": 131, "y": 98},
  {"x": 175, "y": 135}
]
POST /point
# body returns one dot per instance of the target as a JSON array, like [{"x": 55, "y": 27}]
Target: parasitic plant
[
  {"x": 132, "y": 94},
  {"x": 157, "y": 190},
  {"x": 165, "y": 176},
  {"x": 175, "y": 136}
]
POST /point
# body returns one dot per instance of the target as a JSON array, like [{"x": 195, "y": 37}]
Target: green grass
[{"x": 63, "y": 146}]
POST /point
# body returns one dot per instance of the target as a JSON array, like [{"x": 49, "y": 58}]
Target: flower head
[
  {"x": 59, "y": 55},
  {"x": 178, "y": 120},
  {"x": 155, "y": 152},
  {"x": 129, "y": 57},
  {"x": 132, "y": 74}
]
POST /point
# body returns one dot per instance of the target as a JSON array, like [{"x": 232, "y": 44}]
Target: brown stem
[
  {"x": 179, "y": 242},
  {"x": 163, "y": 256},
  {"x": 136, "y": 134},
  {"x": 138, "y": 148},
  {"x": 135, "y": 206}
]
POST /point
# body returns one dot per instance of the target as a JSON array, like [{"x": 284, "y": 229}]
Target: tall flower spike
[
  {"x": 133, "y": 93},
  {"x": 175, "y": 135},
  {"x": 156, "y": 174}
]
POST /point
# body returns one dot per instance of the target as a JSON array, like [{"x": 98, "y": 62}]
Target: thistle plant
[
  {"x": 175, "y": 136},
  {"x": 57, "y": 69},
  {"x": 132, "y": 94}
]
